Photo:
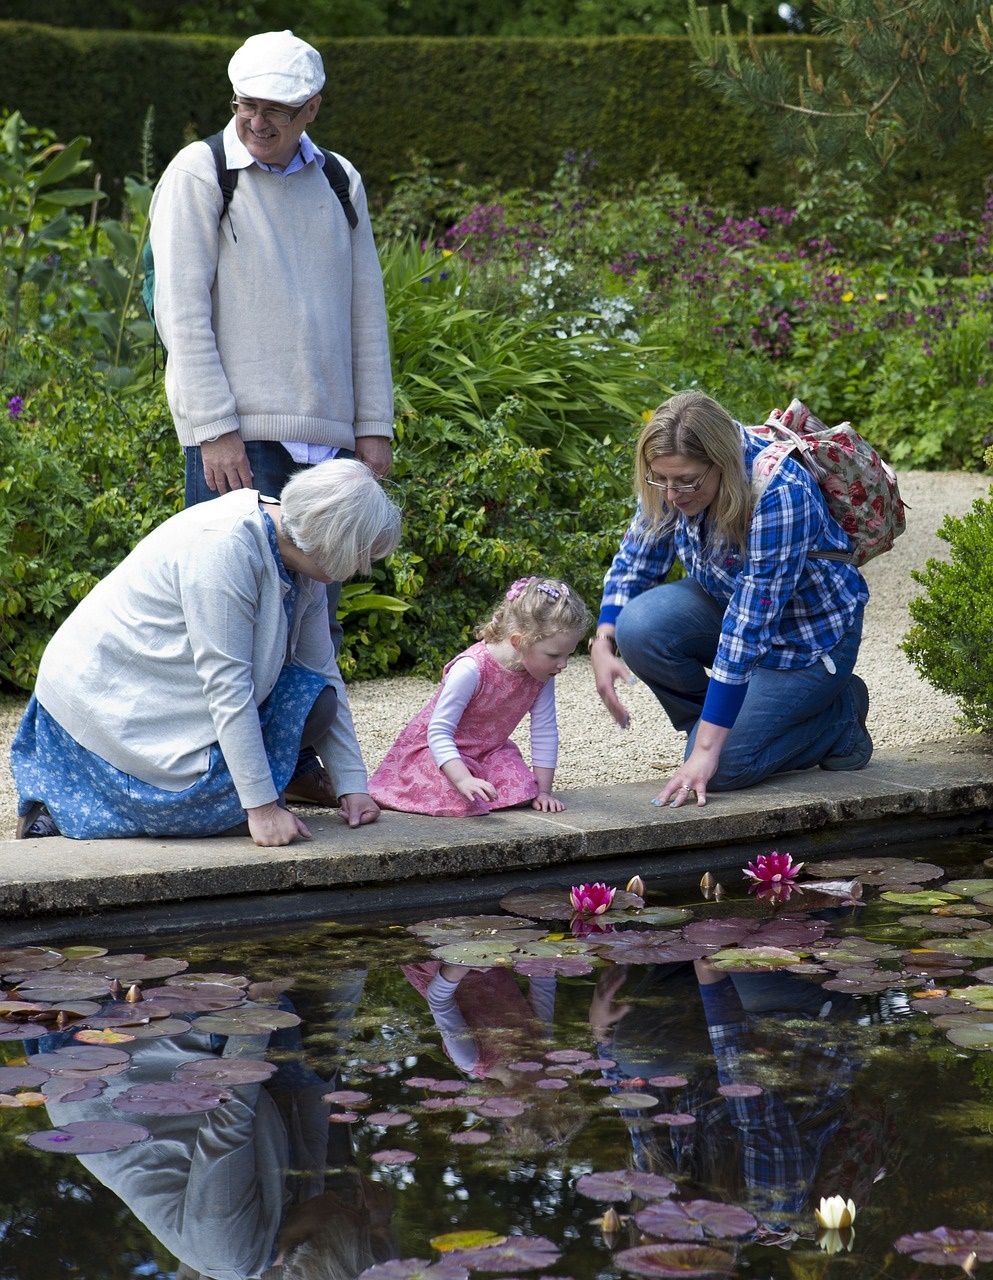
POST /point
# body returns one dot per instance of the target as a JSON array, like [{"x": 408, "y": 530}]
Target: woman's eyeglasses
[{"x": 668, "y": 487}]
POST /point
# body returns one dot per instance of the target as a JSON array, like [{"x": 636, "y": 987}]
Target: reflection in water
[
  {"x": 261, "y": 1185},
  {"x": 658, "y": 1085},
  {"x": 765, "y": 1101}
]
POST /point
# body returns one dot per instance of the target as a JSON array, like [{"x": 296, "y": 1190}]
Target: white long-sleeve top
[
  {"x": 460, "y": 684},
  {"x": 178, "y": 647},
  {"x": 273, "y": 316}
]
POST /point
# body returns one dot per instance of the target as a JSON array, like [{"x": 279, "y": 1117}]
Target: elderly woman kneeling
[{"x": 175, "y": 698}]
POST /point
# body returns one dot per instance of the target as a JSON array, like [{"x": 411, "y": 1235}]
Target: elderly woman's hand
[
  {"x": 271, "y": 826},
  {"x": 358, "y": 808}
]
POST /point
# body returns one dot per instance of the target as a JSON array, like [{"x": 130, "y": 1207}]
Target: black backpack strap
[
  {"x": 227, "y": 179},
  {"x": 335, "y": 173}
]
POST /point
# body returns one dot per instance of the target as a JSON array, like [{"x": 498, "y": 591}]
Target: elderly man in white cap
[{"x": 270, "y": 304}]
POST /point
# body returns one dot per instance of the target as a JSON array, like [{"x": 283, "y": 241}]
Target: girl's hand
[
  {"x": 545, "y": 802},
  {"x": 471, "y": 787},
  {"x": 608, "y": 668},
  {"x": 270, "y": 826}
]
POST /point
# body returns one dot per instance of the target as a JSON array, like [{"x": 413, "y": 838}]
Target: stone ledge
[{"x": 951, "y": 780}]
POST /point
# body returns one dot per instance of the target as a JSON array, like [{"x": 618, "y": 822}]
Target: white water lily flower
[{"x": 835, "y": 1213}]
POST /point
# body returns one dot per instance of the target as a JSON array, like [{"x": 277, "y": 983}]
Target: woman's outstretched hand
[
  {"x": 608, "y": 668},
  {"x": 271, "y": 826},
  {"x": 689, "y": 782}
]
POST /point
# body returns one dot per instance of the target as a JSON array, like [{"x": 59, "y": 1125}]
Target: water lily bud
[
  {"x": 134, "y": 994},
  {"x": 718, "y": 892},
  {"x": 835, "y": 1213},
  {"x": 115, "y": 989},
  {"x": 636, "y": 885},
  {"x": 707, "y": 883},
  {"x": 610, "y": 1223}
]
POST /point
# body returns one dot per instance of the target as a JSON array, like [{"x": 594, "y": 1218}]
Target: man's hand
[
  {"x": 270, "y": 826},
  {"x": 226, "y": 465},
  {"x": 358, "y": 809},
  {"x": 376, "y": 452}
]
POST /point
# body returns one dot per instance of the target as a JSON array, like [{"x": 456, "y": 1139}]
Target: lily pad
[
  {"x": 247, "y": 1020},
  {"x": 88, "y": 1136},
  {"x": 632, "y": 1101},
  {"x": 736, "y": 959},
  {"x": 453, "y": 1240},
  {"x": 395, "y": 1155},
  {"x": 516, "y": 1253},
  {"x": 488, "y": 955},
  {"x": 21, "y": 1078},
  {"x": 695, "y": 1220},
  {"x": 225, "y": 1071},
  {"x": 415, "y": 1269},
  {"x": 873, "y": 870},
  {"x": 553, "y": 966},
  {"x": 554, "y": 904},
  {"x": 619, "y": 1185},
  {"x": 925, "y": 898},
  {"x": 470, "y": 1137},
  {"x": 663, "y": 1260},
  {"x": 501, "y": 1108},
  {"x": 389, "y": 1119},
  {"x": 943, "y": 1247},
  {"x": 170, "y": 1099}
]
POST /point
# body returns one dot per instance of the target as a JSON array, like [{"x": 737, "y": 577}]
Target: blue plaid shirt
[{"x": 784, "y": 610}]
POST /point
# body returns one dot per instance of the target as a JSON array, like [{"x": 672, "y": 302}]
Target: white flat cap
[{"x": 276, "y": 66}]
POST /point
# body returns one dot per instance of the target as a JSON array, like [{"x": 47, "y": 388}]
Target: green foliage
[
  {"x": 951, "y": 641},
  {"x": 896, "y": 79},
  {"x": 481, "y": 508},
  {"x": 40, "y": 248},
  {"x": 83, "y": 477}
]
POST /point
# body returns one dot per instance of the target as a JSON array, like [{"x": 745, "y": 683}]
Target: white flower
[{"x": 835, "y": 1213}]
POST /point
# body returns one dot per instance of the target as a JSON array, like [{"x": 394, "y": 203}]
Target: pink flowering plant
[
  {"x": 591, "y": 899},
  {"x": 773, "y": 870}
]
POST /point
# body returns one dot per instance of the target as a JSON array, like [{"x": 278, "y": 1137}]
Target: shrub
[
  {"x": 951, "y": 641},
  {"x": 83, "y": 476}
]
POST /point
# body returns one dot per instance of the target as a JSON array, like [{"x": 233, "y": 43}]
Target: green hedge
[{"x": 488, "y": 109}]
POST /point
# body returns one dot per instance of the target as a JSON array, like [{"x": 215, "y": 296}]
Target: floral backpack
[{"x": 860, "y": 488}]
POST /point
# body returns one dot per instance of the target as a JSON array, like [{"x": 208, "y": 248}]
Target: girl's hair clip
[{"x": 547, "y": 588}]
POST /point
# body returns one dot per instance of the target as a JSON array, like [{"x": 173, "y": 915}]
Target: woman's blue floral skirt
[{"x": 91, "y": 800}]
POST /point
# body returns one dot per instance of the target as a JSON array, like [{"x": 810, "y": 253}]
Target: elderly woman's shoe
[
  {"x": 34, "y": 824},
  {"x": 312, "y": 787}
]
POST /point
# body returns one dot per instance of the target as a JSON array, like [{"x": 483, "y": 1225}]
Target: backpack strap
[
  {"x": 335, "y": 173},
  {"x": 227, "y": 179}
]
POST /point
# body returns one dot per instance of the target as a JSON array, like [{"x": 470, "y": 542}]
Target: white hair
[{"x": 339, "y": 513}]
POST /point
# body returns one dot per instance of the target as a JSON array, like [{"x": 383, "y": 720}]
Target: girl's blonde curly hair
[{"x": 536, "y": 608}]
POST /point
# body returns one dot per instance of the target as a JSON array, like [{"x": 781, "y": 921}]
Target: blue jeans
[
  {"x": 271, "y": 466},
  {"x": 790, "y": 719}
]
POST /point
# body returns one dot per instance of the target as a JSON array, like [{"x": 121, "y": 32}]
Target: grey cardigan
[{"x": 178, "y": 647}]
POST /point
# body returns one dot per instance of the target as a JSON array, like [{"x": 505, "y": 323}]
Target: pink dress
[{"x": 408, "y": 778}]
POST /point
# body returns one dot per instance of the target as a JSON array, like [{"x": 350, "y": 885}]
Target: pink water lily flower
[
  {"x": 591, "y": 899},
  {"x": 773, "y": 868}
]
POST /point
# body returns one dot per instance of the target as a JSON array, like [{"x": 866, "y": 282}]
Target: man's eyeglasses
[
  {"x": 666, "y": 486},
  {"x": 278, "y": 117}
]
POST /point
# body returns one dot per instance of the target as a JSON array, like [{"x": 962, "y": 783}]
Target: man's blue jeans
[
  {"x": 790, "y": 719},
  {"x": 271, "y": 466}
]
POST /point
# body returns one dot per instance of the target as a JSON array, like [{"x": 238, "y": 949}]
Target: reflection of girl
[{"x": 483, "y": 1016}]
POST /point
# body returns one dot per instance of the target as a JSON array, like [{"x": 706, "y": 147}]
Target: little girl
[{"x": 455, "y": 758}]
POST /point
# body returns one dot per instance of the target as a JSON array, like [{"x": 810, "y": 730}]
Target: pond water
[{"x": 669, "y": 1088}]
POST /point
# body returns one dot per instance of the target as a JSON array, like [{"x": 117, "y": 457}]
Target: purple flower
[
  {"x": 591, "y": 899},
  {"x": 773, "y": 868},
  {"x": 15, "y": 407}
]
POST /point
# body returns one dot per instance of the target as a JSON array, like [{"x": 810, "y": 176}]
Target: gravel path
[{"x": 594, "y": 752}]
